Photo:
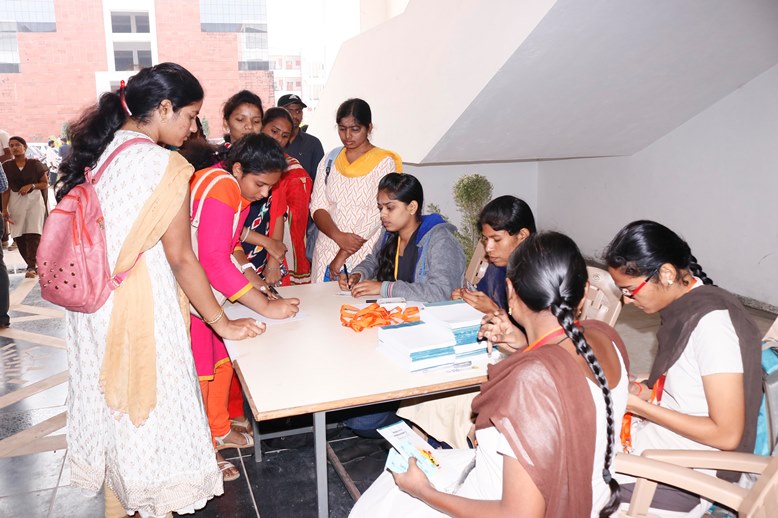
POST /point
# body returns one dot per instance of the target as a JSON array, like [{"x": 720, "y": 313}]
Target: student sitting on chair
[
  {"x": 505, "y": 223},
  {"x": 416, "y": 257},
  {"x": 547, "y": 416},
  {"x": 705, "y": 385}
]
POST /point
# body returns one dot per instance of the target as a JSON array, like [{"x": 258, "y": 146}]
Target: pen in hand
[{"x": 348, "y": 279}]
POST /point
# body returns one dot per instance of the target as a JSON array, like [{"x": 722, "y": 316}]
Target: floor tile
[
  {"x": 15, "y": 421},
  {"x": 30, "y": 472},
  {"x": 72, "y": 502},
  {"x": 28, "y": 505}
]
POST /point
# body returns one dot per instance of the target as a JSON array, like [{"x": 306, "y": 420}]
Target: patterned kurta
[
  {"x": 351, "y": 202},
  {"x": 167, "y": 463}
]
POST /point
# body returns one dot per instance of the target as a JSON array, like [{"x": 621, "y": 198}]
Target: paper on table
[{"x": 241, "y": 311}]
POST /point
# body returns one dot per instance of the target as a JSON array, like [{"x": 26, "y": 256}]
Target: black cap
[{"x": 286, "y": 100}]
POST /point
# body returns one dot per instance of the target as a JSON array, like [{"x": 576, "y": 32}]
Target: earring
[
  {"x": 510, "y": 311},
  {"x": 670, "y": 282}
]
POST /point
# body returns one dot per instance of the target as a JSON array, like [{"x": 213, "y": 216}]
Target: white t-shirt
[{"x": 713, "y": 348}]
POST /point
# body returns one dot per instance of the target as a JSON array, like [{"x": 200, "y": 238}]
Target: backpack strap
[
  {"x": 195, "y": 221},
  {"x": 331, "y": 156},
  {"x": 121, "y": 147}
]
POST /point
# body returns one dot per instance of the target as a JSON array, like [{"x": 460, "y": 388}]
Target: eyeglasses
[{"x": 631, "y": 294}]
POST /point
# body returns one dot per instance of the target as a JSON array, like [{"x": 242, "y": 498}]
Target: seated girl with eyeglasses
[{"x": 704, "y": 389}]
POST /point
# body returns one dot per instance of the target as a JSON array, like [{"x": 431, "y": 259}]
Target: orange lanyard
[
  {"x": 374, "y": 316},
  {"x": 543, "y": 340},
  {"x": 626, "y": 423}
]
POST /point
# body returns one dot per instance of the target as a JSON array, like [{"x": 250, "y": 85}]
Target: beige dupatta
[{"x": 128, "y": 375}]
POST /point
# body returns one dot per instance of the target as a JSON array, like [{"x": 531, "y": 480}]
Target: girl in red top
[{"x": 287, "y": 207}]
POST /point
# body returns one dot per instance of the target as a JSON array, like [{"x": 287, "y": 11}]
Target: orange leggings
[
  {"x": 235, "y": 405},
  {"x": 215, "y": 396}
]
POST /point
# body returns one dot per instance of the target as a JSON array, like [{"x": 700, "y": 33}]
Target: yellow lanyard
[{"x": 397, "y": 258}]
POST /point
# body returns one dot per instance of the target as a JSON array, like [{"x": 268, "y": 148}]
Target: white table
[{"x": 314, "y": 365}]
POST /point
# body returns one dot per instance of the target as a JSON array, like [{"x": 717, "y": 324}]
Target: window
[
  {"x": 122, "y": 23},
  {"x": 9, "y": 48},
  {"x": 253, "y": 48},
  {"x": 232, "y": 15},
  {"x": 131, "y": 56},
  {"x": 30, "y": 15}
]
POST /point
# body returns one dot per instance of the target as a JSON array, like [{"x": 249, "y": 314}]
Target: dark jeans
[
  {"x": 28, "y": 248},
  {"x": 5, "y": 295},
  {"x": 365, "y": 425}
]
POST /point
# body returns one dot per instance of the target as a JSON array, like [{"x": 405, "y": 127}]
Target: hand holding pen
[{"x": 498, "y": 329}]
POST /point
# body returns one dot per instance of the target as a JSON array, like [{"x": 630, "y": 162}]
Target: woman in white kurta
[
  {"x": 343, "y": 202},
  {"x": 153, "y": 458}
]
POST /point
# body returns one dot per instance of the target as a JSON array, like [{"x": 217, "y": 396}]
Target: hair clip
[{"x": 123, "y": 99}]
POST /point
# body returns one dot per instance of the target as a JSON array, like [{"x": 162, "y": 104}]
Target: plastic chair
[
  {"x": 603, "y": 300},
  {"x": 674, "y": 467},
  {"x": 477, "y": 267}
]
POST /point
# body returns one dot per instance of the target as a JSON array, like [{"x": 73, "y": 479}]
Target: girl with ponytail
[
  {"x": 704, "y": 389},
  {"x": 132, "y": 376},
  {"x": 546, "y": 418}
]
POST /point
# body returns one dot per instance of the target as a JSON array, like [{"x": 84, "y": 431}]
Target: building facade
[{"x": 58, "y": 56}]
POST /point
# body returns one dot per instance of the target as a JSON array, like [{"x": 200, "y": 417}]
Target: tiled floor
[{"x": 34, "y": 478}]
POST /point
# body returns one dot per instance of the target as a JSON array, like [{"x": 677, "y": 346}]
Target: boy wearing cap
[{"x": 303, "y": 146}]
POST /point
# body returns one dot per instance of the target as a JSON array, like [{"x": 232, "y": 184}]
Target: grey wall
[{"x": 714, "y": 180}]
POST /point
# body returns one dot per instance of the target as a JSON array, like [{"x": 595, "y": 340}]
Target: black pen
[{"x": 348, "y": 281}]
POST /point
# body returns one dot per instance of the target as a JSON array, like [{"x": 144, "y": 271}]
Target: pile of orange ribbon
[{"x": 375, "y": 316}]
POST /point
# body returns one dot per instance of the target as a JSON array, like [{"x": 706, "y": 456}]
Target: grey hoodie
[{"x": 440, "y": 264}]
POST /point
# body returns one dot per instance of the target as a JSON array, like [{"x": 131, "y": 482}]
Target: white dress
[
  {"x": 168, "y": 463},
  {"x": 384, "y": 500},
  {"x": 351, "y": 202}
]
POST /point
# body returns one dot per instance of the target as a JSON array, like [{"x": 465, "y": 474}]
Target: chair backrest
[
  {"x": 762, "y": 500},
  {"x": 603, "y": 300},
  {"x": 478, "y": 265}
]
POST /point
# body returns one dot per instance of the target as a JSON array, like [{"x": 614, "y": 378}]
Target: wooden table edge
[{"x": 424, "y": 390}]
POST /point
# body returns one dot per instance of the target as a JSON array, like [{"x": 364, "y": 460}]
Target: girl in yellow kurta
[{"x": 343, "y": 201}]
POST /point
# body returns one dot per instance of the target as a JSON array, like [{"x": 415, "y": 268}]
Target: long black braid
[
  {"x": 564, "y": 315},
  {"x": 548, "y": 272},
  {"x": 697, "y": 271}
]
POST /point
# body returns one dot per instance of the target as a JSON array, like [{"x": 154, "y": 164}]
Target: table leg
[
  {"x": 320, "y": 448},
  {"x": 257, "y": 441}
]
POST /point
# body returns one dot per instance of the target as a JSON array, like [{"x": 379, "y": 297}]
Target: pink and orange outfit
[{"x": 216, "y": 242}]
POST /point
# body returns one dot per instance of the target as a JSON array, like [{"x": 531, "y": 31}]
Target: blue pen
[{"x": 348, "y": 280}]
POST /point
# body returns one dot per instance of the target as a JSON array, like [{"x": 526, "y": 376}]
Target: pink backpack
[{"x": 72, "y": 255}]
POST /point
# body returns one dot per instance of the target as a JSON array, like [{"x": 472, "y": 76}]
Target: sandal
[
  {"x": 242, "y": 425},
  {"x": 222, "y": 443},
  {"x": 224, "y": 466}
]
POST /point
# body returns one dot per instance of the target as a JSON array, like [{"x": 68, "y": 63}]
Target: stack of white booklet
[
  {"x": 417, "y": 345},
  {"x": 446, "y": 469},
  {"x": 463, "y": 320}
]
